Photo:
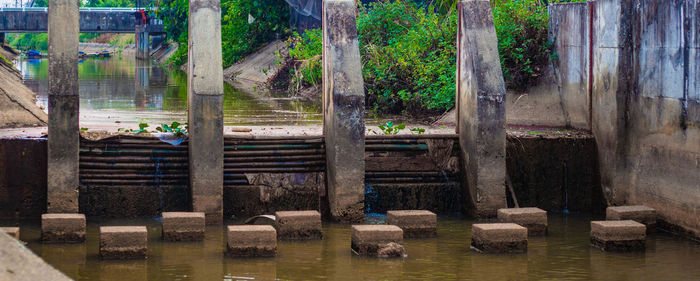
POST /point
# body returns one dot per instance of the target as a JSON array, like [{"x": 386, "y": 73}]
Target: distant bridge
[{"x": 92, "y": 20}]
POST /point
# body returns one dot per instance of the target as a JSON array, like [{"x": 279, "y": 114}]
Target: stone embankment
[{"x": 18, "y": 106}]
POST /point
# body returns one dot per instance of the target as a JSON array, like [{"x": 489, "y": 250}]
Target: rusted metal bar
[
  {"x": 321, "y": 163},
  {"x": 274, "y": 158},
  {"x": 88, "y": 165},
  {"x": 132, "y": 159},
  {"x": 134, "y": 176},
  {"x": 275, "y": 170},
  {"x": 274, "y": 153},
  {"x": 421, "y": 136}
]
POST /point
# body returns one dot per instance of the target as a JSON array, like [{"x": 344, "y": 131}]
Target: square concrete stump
[
  {"x": 123, "y": 242},
  {"x": 183, "y": 226},
  {"x": 414, "y": 223},
  {"x": 371, "y": 239},
  {"x": 534, "y": 219},
  {"x": 299, "y": 225},
  {"x": 618, "y": 236},
  {"x": 499, "y": 238},
  {"x": 252, "y": 241},
  {"x": 12, "y": 231},
  {"x": 640, "y": 214},
  {"x": 63, "y": 228}
]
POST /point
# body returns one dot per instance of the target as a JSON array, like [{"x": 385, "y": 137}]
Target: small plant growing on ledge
[
  {"x": 174, "y": 128},
  {"x": 390, "y": 129},
  {"x": 418, "y": 130}
]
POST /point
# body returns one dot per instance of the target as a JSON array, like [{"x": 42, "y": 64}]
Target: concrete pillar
[
  {"x": 142, "y": 42},
  {"x": 481, "y": 110},
  {"x": 612, "y": 65},
  {"x": 64, "y": 138},
  {"x": 205, "y": 88},
  {"x": 343, "y": 111}
]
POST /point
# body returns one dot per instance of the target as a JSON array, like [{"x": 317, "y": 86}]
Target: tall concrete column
[
  {"x": 64, "y": 138},
  {"x": 481, "y": 110},
  {"x": 205, "y": 88},
  {"x": 142, "y": 42},
  {"x": 343, "y": 111},
  {"x": 612, "y": 73}
]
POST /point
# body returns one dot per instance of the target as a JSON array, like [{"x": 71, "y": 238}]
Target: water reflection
[{"x": 125, "y": 91}]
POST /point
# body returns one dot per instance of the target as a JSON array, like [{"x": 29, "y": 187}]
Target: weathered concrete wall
[
  {"x": 663, "y": 122},
  {"x": 22, "y": 178},
  {"x": 63, "y": 140},
  {"x": 480, "y": 110},
  {"x": 94, "y": 21},
  {"x": 343, "y": 111},
  {"x": 555, "y": 173},
  {"x": 569, "y": 33},
  {"x": 205, "y": 89},
  {"x": 645, "y": 110}
]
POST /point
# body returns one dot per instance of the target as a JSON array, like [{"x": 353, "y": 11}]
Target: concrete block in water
[
  {"x": 123, "y": 242},
  {"x": 640, "y": 214},
  {"x": 183, "y": 226},
  {"x": 11, "y": 231},
  {"x": 414, "y": 223},
  {"x": 63, "y": 228},
  {"x": 499, "y": 238},
  {"x": 620, "y": 235},
  {"x": 300, "y": 225},
  {"x": 252, "y": 241},
  {"x": 534, "y": 219},
  {"x": 376, "y": 239}
]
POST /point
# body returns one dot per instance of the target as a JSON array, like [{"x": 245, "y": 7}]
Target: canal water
[
  {"x": 124, "y": 92},
  {"x": 564, "y": 254}
]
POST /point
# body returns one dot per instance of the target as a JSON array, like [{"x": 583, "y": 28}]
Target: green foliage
[
  {"x": 30, "y": 41},
  {"x": 173, "y": 128},
  {"x": 408, "y": 57},
  {"x": 408, "y": 51},
  {"x": 523, "y": 46},
  {"x": 390, "y": 129},
  {"x": 306, "y": 51},
  {"x": 239, "y": 37},
  {"x": 6, "y": 61},
  {"x": 418, "y": 130}
]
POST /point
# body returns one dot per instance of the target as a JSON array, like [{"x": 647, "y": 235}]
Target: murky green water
[
  {"x": 565, "y": 254},
  {"x": 124, "y": 90}
]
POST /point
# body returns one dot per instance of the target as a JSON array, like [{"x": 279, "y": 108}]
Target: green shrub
[
  {"x": 523, "y": 46},
  {"x": 408, "y": 57},
  {"x": 306, "y": 51},
  {"x": 408, "y": 51},
  {"x": 239, "y": 38}
]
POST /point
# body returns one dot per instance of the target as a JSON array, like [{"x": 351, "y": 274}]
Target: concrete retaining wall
[{"x": 645, "y": 100}]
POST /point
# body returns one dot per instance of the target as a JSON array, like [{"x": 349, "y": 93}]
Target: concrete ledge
[
  {"x": 414, "y": 223},
  {"x": 63, "y": 228},
  {"x": 534, "y": 219},
  {"x": 370, "y": 239},
  {"x": 299, "y": 225},
  {"x": 623, "y": 235},
  {"x": 17, "y": 263},
  {"x": 11, "y": 231},
  {"x": 640, "y": 214},
  {"x": 123, "y": 242},
  {"x": 183, "y": 226},
  {"x": 252, "y": 241},
  {"x": 499, "y": 238}
]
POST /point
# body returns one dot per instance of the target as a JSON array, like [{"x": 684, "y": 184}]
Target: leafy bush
[
  {"x": 408, "y": 57},
  {"x": 408, "y": 51},
  {"x": 239, "y": 37},
  {"x": 523, "y": 46},
  {"x": 306, "y": 51}
]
